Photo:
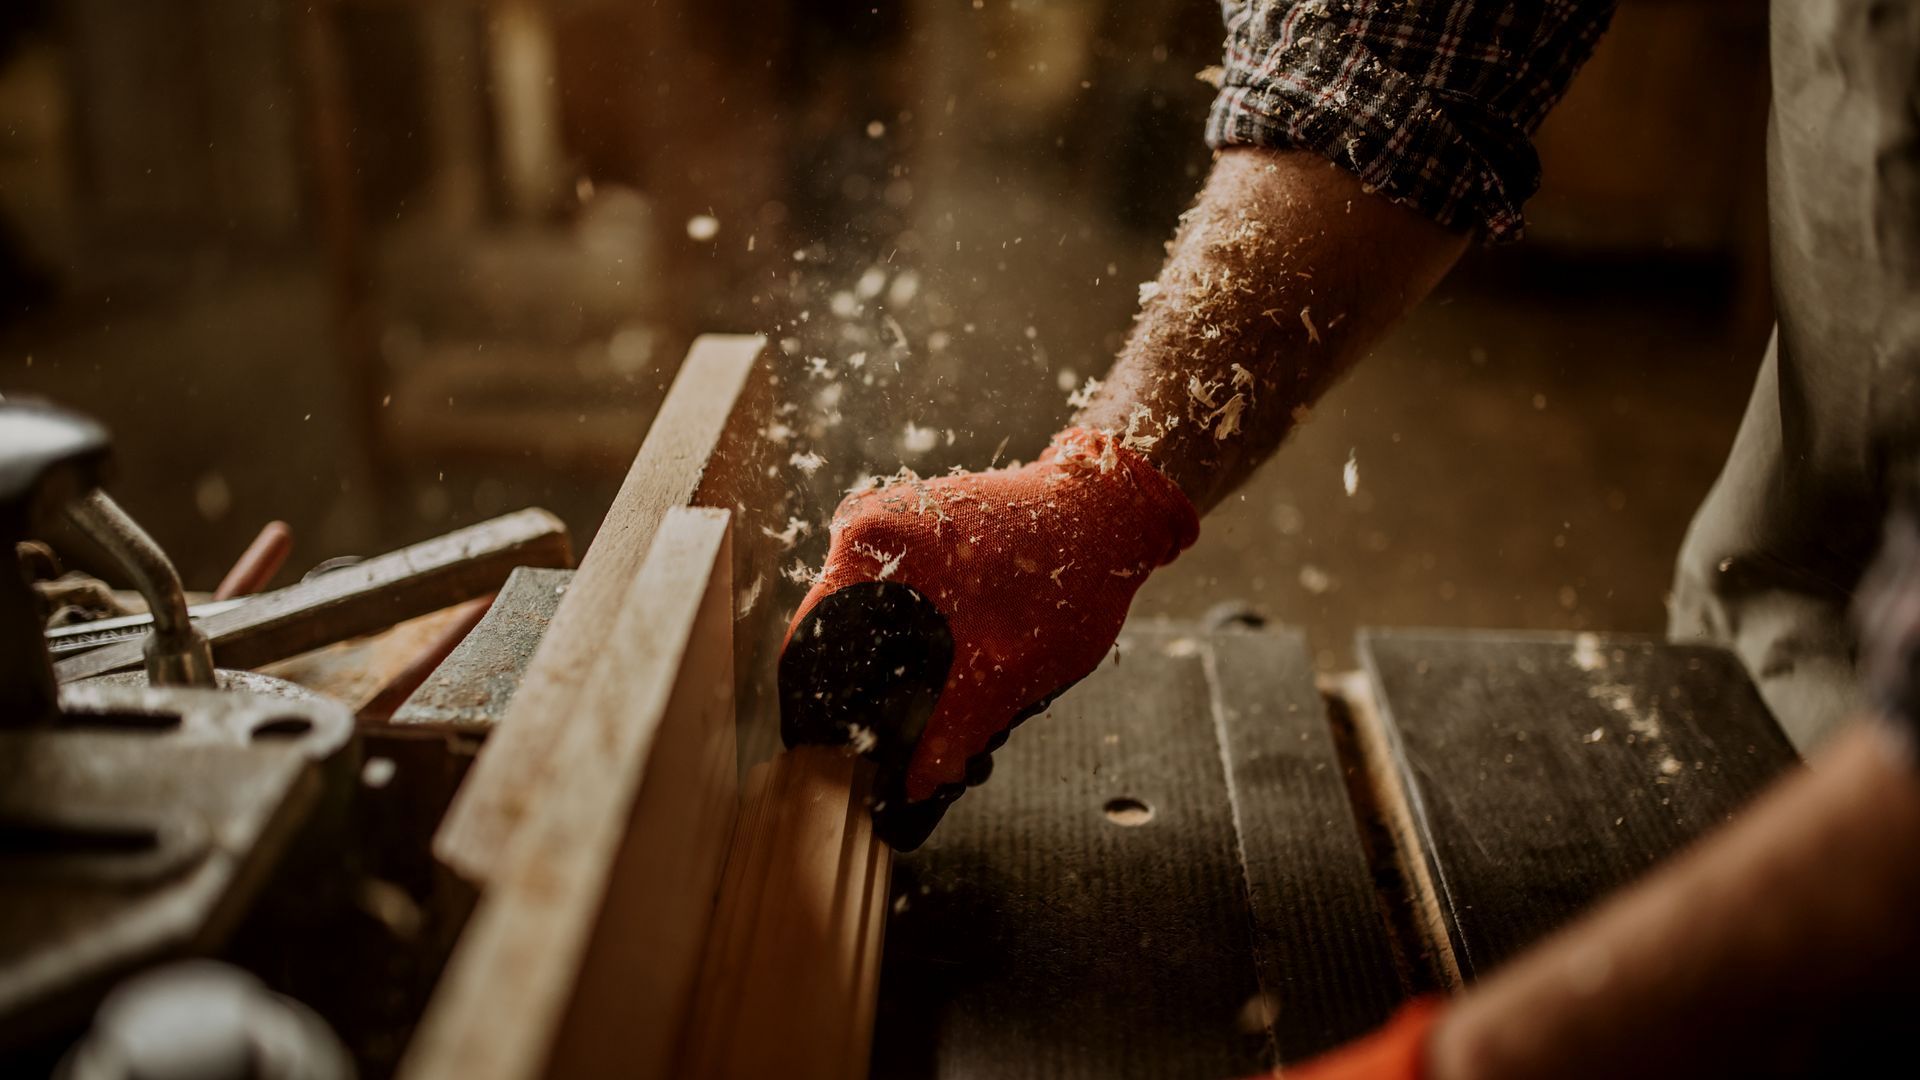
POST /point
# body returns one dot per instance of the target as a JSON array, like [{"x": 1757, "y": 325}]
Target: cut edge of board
[
  {"x": 1405, "y": 822},
  {"x": 790, "y": 973},
  {"x": 503, "y": 784}
]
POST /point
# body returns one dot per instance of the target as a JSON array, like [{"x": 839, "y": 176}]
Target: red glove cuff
[
  {"x": 1397, "y": 1051},
  {"x": 1157, "y": 497}
]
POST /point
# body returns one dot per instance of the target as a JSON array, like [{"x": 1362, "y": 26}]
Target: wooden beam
[
  {"x": 358, "y": 671},
  {"x": 706, "y": 447},
  {"x": 792, "y": 966},
  {"x": 582, "y": 954},
  {"x": 790, "y": 973}
]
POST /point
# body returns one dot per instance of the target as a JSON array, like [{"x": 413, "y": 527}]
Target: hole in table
[
  {"x": 283, "y": 727},
  {"x": 1128, "y": 811}
]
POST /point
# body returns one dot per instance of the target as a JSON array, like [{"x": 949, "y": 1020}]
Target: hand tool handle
[{"x": 257, "y": 565}]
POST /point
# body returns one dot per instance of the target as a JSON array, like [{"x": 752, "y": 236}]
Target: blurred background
[{"x": 380, "y": 268}]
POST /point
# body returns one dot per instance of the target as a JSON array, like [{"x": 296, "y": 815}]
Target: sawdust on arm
[{"x": 1280, "y": 278}]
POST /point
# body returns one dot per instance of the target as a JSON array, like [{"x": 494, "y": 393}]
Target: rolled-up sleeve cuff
[
  {"x": 1409, "y": 151},
  {"x": 1431, "y": 103}
]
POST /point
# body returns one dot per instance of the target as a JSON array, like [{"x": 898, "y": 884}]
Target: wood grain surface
[
  {"x": 790, "y": 973},
  {"x": 702, "y": 425}
]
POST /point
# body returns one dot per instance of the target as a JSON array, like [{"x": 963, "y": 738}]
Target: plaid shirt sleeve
[{"x": 1431, "y": 102}]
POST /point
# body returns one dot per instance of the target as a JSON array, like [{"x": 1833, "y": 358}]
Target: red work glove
[
  {"x": 1397, "y": 1051},
  {"x": 951, "y": 609}
]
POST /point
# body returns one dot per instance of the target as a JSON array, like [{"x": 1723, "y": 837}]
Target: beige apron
[{"x": 1770, "y": 562}]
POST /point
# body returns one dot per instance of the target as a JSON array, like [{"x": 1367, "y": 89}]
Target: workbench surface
[{"x": 1182, "y": 868}]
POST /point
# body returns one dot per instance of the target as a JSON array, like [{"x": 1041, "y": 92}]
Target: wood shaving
[
  {"x": 1135, "y": 439},
  {"x": 861, "y": 739},
  {"x": 1096, "y": 453},
  {"x": 888, "y": 563},
  {"x": 749, "y": 598},
  {"x": 915, "y": 439},
  {"x": 1228, "y": 416},
  {"x": 899, "y": 336},
  {"x": 795, "y": 529},
  {"x": 923, "y": 499}
]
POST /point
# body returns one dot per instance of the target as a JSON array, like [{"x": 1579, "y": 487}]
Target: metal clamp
[{"x": 177, "y": 653}]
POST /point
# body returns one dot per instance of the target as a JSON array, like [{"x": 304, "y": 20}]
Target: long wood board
[
  {"x": 582, "y": 954},
  {"x": 706, "y": 447}
]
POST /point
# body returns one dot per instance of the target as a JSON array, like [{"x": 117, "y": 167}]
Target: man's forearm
[
  {"x": 1281, "y": 277},
  {"x": 1775, "y": 930}
]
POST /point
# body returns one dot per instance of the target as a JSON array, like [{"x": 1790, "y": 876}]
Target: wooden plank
[
  {"x": 1037, "y": 934},
  {"x": 581, "y": 957},
  {"x": 1321, "y": 945},
  {"x": 355, "y": 672},
  {"x": 1545, "y": 770},
  {"x": 741, "y": 888},
  {"x": 706, "y": 447},
  {"x": 791, "y": 969}
]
